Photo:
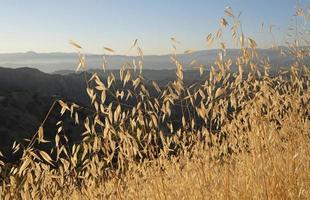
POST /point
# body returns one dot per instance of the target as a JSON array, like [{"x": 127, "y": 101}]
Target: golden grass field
[{"x": 254, "y": 141}]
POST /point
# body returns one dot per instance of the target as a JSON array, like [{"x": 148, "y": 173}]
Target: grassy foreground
[
  {"x": 280, "y": 171},
  {"x": 238, "y": 135}
]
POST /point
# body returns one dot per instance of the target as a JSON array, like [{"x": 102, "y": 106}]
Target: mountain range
[{"x": 51, "y": 62}]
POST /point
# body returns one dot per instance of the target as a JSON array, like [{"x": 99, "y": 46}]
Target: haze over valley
[{"x": 53, "y": 62}]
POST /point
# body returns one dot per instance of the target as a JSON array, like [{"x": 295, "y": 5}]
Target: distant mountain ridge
[{"x": 57, "y": 61}]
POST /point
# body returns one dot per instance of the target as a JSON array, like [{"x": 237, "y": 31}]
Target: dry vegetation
[{"x": 242, "y": 135}]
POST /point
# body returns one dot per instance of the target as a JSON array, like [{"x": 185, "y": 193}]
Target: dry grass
[{"x": 242, "y": 135}]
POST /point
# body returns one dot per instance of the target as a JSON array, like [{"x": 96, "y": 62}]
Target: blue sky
[{"x": 46, "y": 26}]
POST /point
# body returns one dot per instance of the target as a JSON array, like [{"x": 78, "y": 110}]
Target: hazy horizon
[
  {"x": 51, "y": 62},
  {"x": 128, "y": 55}
]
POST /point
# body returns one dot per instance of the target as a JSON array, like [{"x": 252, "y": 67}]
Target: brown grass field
[{"x": 252, "y": 141}]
